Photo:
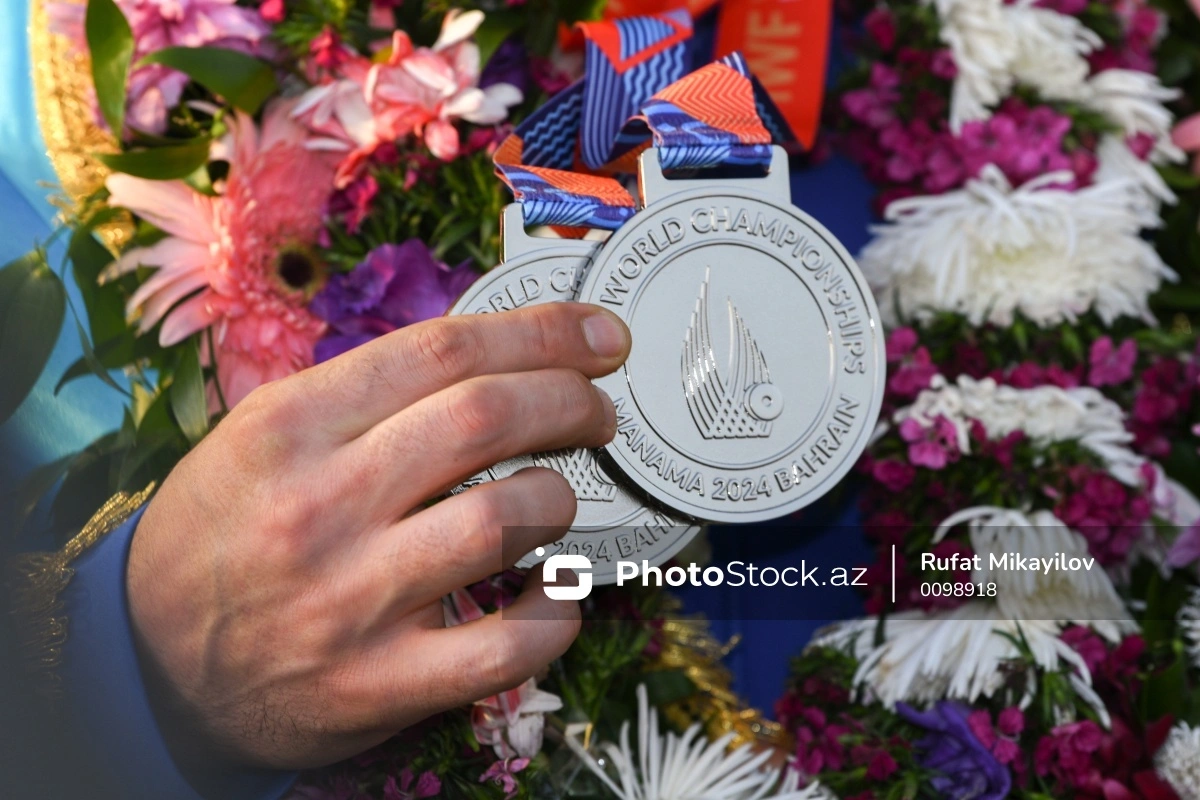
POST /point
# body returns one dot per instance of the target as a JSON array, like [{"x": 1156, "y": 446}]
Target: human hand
[{"x": 285, "y": 583}]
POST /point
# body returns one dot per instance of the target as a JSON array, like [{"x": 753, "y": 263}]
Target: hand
[{"x": 285, "y": 582}]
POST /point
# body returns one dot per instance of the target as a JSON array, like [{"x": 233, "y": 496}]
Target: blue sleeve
[{"x": 106, "y": 697}]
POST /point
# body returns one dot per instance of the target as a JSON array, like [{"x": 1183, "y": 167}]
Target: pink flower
[
  {"x": 504, "y": 774},
  {"x": 272, "y": 10},
  {"x": 881, "y": 25},
  {"x": 1108, "y": 366},
  {"x": 895, "y": 475},
  {"x": 240, "y": 263},
  {"x": 875, "y": 104},
  {"x": 511, "y": 722},
  {"x": 417, "y": 92},
  {"x": 157, "y": 24},
  {"x": 932, "y": 447},
  {"x": 1187, "y": 134}
]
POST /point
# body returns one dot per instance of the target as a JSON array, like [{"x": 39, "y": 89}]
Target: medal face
[
  {"x": 757, "y": 368},
  {"x": 612, "y": 522}
]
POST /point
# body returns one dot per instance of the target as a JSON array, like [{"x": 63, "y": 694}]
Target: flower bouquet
[{"x": 1031, "y": 493}]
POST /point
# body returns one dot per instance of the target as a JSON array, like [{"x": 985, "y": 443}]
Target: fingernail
[
  {"x": 605, "y": 335},
  {"x": 610, "y": 410}
]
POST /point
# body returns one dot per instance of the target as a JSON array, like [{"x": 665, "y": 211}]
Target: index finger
[{"x": 359, "y": 389}]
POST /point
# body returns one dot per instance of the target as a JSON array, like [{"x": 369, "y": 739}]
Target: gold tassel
[
  {"x": 62, "y": 87},
  {"x": 37, "y": 581},
  {"x": 688, "y": 645}
]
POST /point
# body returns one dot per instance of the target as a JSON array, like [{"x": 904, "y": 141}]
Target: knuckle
[
  {"x": 476, "y": 414},
  {"x": 547, "y": 324},
  {"x": 483, "y": 516},
  {"x": 505, "y": 671},
  {"x": 450, "y": 349}
]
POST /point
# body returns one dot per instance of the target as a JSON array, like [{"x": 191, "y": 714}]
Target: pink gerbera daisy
[{"x": 241, "y": 262}]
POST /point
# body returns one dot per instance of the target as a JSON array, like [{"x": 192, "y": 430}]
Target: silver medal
[
  {"x": 757, "y": 369},
  {"x": 612, "y": 523}
]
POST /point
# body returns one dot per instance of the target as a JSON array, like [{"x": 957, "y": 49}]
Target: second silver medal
[{"x": 612, "y": 522}]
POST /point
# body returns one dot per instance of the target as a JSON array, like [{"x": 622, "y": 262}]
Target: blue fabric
[{"x": 106, "y": 695}]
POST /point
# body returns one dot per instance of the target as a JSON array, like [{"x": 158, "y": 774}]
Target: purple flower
[
  {"x": 509, "y": 64},
  {"x": 967, "y": 769},
  {"x": 395, "y": 286},
  {"x": 1108, "y": 365},
  {"x": 427, "y": 785},
  {"x": 503, "y": 774}
]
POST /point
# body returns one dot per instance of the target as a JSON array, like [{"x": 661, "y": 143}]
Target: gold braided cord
[
  {"x": 688, "y": 645},
  {"x": 62, "y": 88},
  {"x": 36, "y": 583}
]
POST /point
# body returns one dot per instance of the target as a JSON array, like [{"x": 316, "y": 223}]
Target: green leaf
[
  {"x": 33, "y": 488},
  {"x": 667, "y": 686},
  {"x": 93, "y": 362},
  {"x": 496, "y": 27},
  {"x": 160, "y": 163},
  {"x": 32, "y": 306},
  {"x": 188, "y": 402},
  {"x": 105, "y": 304},
  {"x": 243, "y": 80},
  {"x": 110, "y": 41}
]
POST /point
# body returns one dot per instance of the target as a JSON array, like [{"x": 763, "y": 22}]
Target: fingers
[
  {"x": 440, "y": 441},
  {"x": 375, "y": 381},
  {"x": 472, "y": 661},
  {"x": 466, "y": 538}
]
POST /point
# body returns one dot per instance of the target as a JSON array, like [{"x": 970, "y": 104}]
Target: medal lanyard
[{"x": 559, "y": 161}]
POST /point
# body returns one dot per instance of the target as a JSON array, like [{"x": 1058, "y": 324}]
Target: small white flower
[
  {"x": 1178, "y": 761},
  {"x": 1134, "y": 101},
  {"x": 961, "y": 654},
  {"x": 983, "y": 46},
  {"x": 1189, "y": 625},
  {"x": 1052, "y": 50},
  {"x": 687, "y": 767},
  {"x": 997, "y": 45},
  {"x": 989, "y": 250}
]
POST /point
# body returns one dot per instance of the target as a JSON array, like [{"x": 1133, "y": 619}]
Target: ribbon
[{"x": 559, "y": 161}]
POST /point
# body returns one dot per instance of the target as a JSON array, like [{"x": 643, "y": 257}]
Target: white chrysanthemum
[
  {"x": 1178, "y": 761},
  {"x": 988, "y": 250},
  {"x": 1045, "y": 414},
  {"x": 671, "y": 767},
  {"x": 1135, "y": 101},
  {"x": 1083, "y": 596},
  {"x": 984, "y": 47},
  {"x": 1052, "y": 50},
  {"x": 1189, "y": 626},
  {"x": 1116, "y": 162},
  {"x": 960, "y": 654}
]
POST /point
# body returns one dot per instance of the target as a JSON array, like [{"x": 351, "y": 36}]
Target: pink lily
[{"x": 1187, "y": 133}]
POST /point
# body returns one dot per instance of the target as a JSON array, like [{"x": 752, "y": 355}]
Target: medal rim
[{"x": 713, "y": 192}]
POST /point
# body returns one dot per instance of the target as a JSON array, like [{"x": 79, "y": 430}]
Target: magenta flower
[
  {"x": 1108, "y": 365},
  {"x": 1186, "y": 549},
  {"x": 427, "y": 785},
  {"x": 881, "y": 26},
  {"x": 503, "y": 773},
  {"x": 875, "y": 104},
  {"x": 932, "y": 447},
  {"x": 895, "y": 475}
]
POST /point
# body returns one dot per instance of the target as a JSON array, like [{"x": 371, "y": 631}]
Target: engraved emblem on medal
[
  {"x": 612, "y": 522},
  {"x": 775, "y": 334}
]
